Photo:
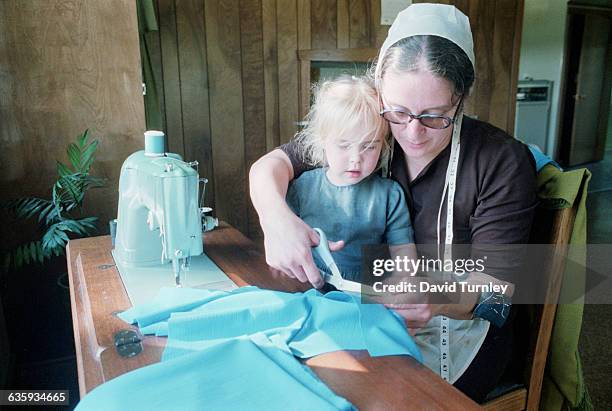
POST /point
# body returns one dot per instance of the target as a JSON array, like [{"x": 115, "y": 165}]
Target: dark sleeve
[
  {"x": 506, "y": 203},
  {"x": 298, "y": 162}
]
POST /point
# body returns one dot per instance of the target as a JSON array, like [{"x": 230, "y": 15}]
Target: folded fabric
[
  {"x": 307, "y": 323},
  {"x": 241, "y": 373},
  {"x": 557, "y": 190},
  {"x": 152, "y": 317}
]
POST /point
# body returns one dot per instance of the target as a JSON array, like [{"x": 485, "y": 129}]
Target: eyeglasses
[
  {"x": 435, "y": 121},
  {"x": 428, "y": 120}
]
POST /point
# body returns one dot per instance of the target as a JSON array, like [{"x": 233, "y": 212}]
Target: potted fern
[{"x": 60, "y": 217}]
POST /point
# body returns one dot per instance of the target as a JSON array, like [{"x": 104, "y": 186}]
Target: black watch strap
[{"x": 493, "y": 307}]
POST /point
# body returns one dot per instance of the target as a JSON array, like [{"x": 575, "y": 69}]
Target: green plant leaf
[
  {"x": 56, "y": 195},
  {"x": 54, "y": 215},
  {"x": 88, "y": 156},
  {"x": 38, "y": 252},
  {"x": 29, "y": 252},
  {"x": 33, "y": 252},
  {"x": 70, "y": 226},
  {"x": 69, "y": 189},
  {"x": 49, "y": 214},
  {"x": 18, "y": 257},
  {"x": 63, "y": 169},
  {"x": 74, "y": 155},
  {"x": 25, "y": 208},
  {"x": 84, "y": 226},
  {"x": 82, "y": 139},
  {"x": 25, "y": 254},
  {"x": 88, "y": 225},
  {"x": 54, "y": 238},
  {"x": 81, "y": 154}
]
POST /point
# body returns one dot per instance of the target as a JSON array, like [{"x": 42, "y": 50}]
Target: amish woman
[{"x": 466, "y": 182}]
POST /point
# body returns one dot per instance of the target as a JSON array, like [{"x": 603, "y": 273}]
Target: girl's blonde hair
[{"x": 341, "y": 106}]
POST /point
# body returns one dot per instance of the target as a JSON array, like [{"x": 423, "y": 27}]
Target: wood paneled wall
[
  {"x": 230, "y": 82},
  {"x": 231, "y": 76},
  {"x": 67, "y": 65}
]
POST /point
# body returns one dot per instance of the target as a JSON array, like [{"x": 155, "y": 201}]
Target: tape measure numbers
[{"x": 450, "y": 184}]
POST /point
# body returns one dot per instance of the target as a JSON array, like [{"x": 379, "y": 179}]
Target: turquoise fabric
[
  {"x": 152, "y": 318},
  {"x": 237, "y": 349},
  {"x": 242, "y": 373},
  {"x": 373, "y": 211},
  {"x": 307, "y": 324},
  {"x": 540, "y": 158}
]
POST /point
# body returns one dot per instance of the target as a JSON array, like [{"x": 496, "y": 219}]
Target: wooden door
[
  {"x": 590, "y": 91},
  {"x": 588, "y": 78}
]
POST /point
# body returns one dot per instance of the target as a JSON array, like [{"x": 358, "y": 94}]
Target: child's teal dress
[{"x": 370, "y": 212}]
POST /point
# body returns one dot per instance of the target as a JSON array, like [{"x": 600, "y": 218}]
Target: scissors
[{"x": 335, "y": 278}]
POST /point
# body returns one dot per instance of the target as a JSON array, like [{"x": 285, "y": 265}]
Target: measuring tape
[{"x": 450, "y": 184}]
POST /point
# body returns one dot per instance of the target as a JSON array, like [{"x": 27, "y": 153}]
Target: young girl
[{"x": 346, "y": 197}]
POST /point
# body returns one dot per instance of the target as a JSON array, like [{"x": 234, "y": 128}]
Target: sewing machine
[{"x": 160, "y": 223}]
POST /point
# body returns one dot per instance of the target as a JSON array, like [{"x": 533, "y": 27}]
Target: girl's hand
[{"x": 288, "y": 243}]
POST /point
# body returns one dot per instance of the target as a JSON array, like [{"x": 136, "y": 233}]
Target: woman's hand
[
  {"x": 288, "y": 243},
  {"x": 415, "y": 315}
]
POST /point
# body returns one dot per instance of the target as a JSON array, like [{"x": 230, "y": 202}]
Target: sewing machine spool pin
[
  {"x": 195, "y": 165},
  {"x": 208, "y": 222},
  {"x": 202, "y": 181}
]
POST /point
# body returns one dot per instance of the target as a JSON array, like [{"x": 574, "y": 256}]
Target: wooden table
[{"x": 96, "y": 293}]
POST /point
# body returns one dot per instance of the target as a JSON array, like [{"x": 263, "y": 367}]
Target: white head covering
[{"x": 430, "y": 19}]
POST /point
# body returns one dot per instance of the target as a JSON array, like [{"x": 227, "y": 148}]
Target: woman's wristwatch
[{"x": 493, "y": 307}]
